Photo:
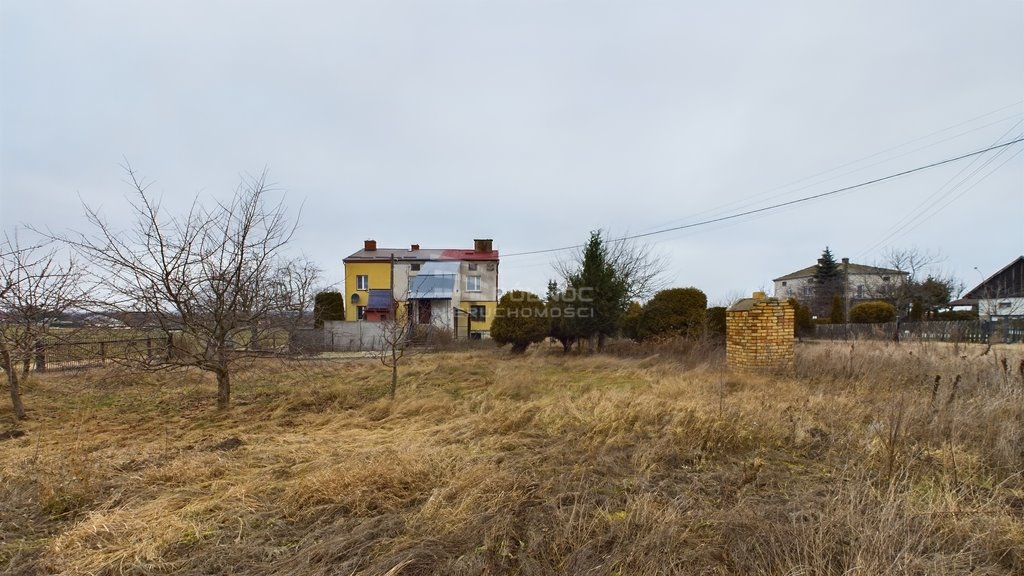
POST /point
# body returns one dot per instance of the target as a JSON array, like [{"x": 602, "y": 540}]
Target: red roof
[{"x": 469, "y": 255}]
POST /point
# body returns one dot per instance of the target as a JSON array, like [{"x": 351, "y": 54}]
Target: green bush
[
  {"x": 519, "y": 320},
  {"x": 328, "y": 306},
  {"x": 874, "y": 312},
  {"x": 803, "y": 324},
  {"x": 838, "y": 312},
  {"x": 631, "y": 321},
  {"x": 715, "y": 321},
  {"x": 673, "y": 312}
]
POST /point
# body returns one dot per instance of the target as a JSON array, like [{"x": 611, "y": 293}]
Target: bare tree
[
  {"x": 216, "y": 280},
  {"x": 37, "y": 286},
  {"x": 919, "y": 283},
  {"x": 395, "y": 337},
  {"x": 636, "y": 264}
]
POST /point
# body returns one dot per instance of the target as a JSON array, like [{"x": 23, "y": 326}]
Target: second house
[{"x": 447, "y": 288}]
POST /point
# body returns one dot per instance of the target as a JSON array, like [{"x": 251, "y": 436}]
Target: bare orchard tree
[
  {"x": 640, "y": 265},
  {"x": 216, "y": 280},
  {"x": 395, "y": 338},
  {"x": 919, "y": 284},
  {"x": 37, "y": 286},
  {"x": 292, "y": 288}
]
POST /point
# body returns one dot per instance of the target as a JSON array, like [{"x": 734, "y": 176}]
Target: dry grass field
[{"x": 871, "y": 459}]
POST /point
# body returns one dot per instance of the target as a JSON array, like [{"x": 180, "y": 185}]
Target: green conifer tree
[
  {"x": 828, "y": 281},
  {"x": 601, "y": 294},
  {"x": 328, "y": 306}
]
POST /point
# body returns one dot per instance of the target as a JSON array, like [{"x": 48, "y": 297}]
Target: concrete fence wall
[{"x": 338, "y": 336}]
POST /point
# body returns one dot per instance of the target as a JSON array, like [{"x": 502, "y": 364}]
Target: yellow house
[{"x": 453, "y": 289}]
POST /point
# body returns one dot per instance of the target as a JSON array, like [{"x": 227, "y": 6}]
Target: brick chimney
[
  {"x": 370, "y": 245},
  {"x": 482, "y": 244},
  {"x": 414, "y": 247}
]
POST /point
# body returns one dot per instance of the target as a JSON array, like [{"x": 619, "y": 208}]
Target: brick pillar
[{"x": 759, "y": 335}]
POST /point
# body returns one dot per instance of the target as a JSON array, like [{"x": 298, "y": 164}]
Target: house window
[
  {"x": 362, "y": 282},
  {"x": 414, "y": 267},
  {"x": 885, "y": 278},
  {"x": 783, "y": 282},
  {"x": 472, "y": 266},
  {"x": 478, "y": 313},
  {"x": 1004, "y": 305},
  {"x": 860, "y": 291},
  {"x": 472, "y": 283},
  {"x": 361, "y": 311}
]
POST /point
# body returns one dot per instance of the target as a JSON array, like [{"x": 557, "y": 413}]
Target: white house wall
[
  {"x": 441, "y": 313},
  {"x": 989, "y": 308},
  {"x": 861, "y": 287},
  {"x": 401, "y": 287},
  {"x": 795, "y": 288}
]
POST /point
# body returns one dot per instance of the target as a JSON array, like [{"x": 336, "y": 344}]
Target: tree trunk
[
  {"x": 394, "y": 377},
  {"x": 223, "y": 389},
  {"x": 12, "y": 383}
]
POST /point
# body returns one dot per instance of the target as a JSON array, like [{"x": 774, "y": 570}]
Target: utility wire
[
  {"x": 784, "y": 204},
  {"x": 724, "y": 208},
  {"x": 926, "y": 209}
]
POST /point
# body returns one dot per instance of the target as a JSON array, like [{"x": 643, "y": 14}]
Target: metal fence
[{"x": 1003, "y": 331}]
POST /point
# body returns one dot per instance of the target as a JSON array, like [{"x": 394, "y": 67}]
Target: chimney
[
  {"x": 370, "y": 245},
  {"x": 414, "y": 247},
  {"x": 846, "y": 261},
  {"x": 759, "y": 295},
  {"x": 482, "y": 245}
]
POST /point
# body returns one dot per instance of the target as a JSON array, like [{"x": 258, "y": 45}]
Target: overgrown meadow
[{"x": 872, "y": 459}]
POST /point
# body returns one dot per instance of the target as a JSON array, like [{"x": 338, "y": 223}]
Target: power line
[
  {"x": 925, "y": 209},
  {"x": 783, "y": 204},
  {"x": 818, "y": 181}
]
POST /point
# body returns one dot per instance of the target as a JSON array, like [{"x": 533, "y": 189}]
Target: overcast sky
[{"x": 534, "y": 122}]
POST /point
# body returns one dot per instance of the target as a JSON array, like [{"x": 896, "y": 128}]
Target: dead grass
[{"x": 862, "y": 463}]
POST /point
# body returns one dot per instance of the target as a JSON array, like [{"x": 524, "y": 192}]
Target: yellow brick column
[{"x": 759, "y": 335}]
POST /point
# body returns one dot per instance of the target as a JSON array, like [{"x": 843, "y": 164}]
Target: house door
[{"x": 424, "y": 311}]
